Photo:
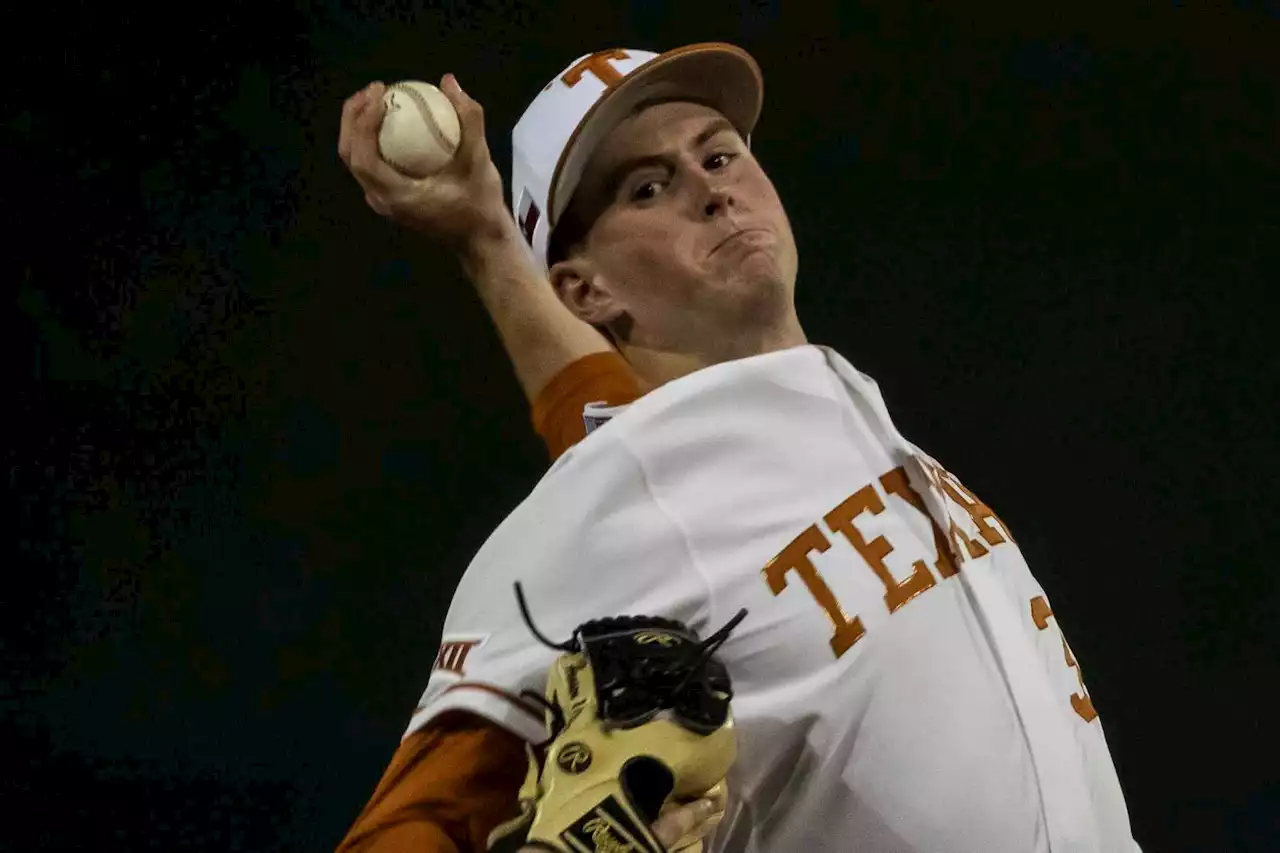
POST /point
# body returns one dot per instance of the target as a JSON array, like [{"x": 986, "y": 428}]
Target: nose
[
  {"x": 711, "y": 193},
  {"x": 719, "y": 201}
]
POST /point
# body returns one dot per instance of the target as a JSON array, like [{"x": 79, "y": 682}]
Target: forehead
[
  {"x": 650, "y": 130},
  {"x": 655, "y": 127}
]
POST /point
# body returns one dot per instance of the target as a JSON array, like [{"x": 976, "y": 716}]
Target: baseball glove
[{"x": 638, "y": 713}]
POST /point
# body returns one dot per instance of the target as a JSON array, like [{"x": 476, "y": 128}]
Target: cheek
[
  {"x": 647, "y": 243},
  {"x": 764, "y": 190},
  {"x": 651, "y": 266},
  {"x": 773, "y": 203}
]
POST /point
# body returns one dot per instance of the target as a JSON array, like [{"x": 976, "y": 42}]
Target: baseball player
[{"x": 901, "y": 681}]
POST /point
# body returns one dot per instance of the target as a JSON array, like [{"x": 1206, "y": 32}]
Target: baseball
[{"x": 420, "y": 129}]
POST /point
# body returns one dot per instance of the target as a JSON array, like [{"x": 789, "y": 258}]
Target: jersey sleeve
[
  {"x": 482, "y": 667},
  {"x": 590, "y": 541},
  {"x": 447, "y": 786},
  {"x": 602, "y": 377}
]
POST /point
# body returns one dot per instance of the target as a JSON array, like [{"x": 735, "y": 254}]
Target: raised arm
[
  {"x": 463, "y": 207},
  {"x": 540, "y": 335}
]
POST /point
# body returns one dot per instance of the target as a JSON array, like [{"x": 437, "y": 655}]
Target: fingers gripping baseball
[
  {"x": 473, "y": 149},
  {"x": 462, "y": 199},
  {"x": 358, "y": 143}
]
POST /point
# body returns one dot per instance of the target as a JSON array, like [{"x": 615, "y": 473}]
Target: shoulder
[
  {"x": 590, "y": 538},
  {"x": 714, "y": 416}
]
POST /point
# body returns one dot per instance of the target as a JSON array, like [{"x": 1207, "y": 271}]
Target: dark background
[{"x": 256, "y": 432}]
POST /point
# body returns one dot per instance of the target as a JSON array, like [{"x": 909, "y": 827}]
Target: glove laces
[{"x": 693, "y": 661}]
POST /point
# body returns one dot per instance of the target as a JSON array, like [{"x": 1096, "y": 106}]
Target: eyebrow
[{"x": 620, "y": 172}]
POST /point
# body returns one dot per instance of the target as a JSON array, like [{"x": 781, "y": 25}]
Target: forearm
[
  {"x": 447, "y": 786},
  {"x": 410, "y": 836},
  {"x": 539, "y": 333}
]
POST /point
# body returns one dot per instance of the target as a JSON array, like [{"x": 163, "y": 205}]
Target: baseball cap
[{"x": 554, "y": 139}]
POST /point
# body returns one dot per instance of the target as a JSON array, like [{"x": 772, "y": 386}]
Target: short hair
[{"x": 567, "y": 237}]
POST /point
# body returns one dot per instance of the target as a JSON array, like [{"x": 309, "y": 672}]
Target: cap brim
[{"x": 722, "y": 76}]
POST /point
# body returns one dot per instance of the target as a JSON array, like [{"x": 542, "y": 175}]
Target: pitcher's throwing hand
[{"x": 455, "y": 205}]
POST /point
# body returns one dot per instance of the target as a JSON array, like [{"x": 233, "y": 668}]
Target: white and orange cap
[{"x": 554, "y": 139}]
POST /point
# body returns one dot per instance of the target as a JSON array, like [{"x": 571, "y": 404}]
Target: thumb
[{"x": 470, "y": 116}]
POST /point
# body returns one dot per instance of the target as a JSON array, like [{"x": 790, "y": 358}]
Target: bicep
[{"x": 446, "y": 787}]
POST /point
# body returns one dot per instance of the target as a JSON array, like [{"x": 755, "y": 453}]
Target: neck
[{"x": 658, "y": 366}]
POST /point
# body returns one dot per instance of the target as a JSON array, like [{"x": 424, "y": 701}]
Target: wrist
[{"x": 497, "y": 241}]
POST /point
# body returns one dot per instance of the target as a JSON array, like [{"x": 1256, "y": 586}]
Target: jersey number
[{"x": 1080, "y": 702}]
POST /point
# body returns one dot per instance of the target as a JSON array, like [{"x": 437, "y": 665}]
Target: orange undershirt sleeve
[
  {"x": 557, "y": 411},
  {"x": 450, "y": 783},
  {"x": 447, "y": 786}
]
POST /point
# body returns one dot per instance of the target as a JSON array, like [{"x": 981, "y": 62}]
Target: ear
[{"x": 584, "y": 291}]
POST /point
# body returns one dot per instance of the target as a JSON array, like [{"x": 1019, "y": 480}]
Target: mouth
[{"x": 734, "y": 236}]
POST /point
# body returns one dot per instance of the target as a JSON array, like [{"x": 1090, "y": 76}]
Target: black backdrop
[{"x": 256, "y": 433}]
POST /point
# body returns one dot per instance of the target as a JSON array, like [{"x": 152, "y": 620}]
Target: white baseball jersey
[{"x": 900, "y": 682}]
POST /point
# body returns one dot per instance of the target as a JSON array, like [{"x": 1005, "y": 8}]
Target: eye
[
  {"x": 719, "y": 160},
  {"x": 645, "y": 191}
]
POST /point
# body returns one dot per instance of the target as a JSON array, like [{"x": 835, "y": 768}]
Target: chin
[
  {"x": 760, "y": 295},
  {"x": 759, "y": 270}
]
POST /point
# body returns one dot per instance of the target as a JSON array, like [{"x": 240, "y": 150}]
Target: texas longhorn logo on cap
[{"x": 598, "y": 64}]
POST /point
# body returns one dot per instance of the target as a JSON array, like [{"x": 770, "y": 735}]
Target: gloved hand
[{"x": 638, "y": 710}]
